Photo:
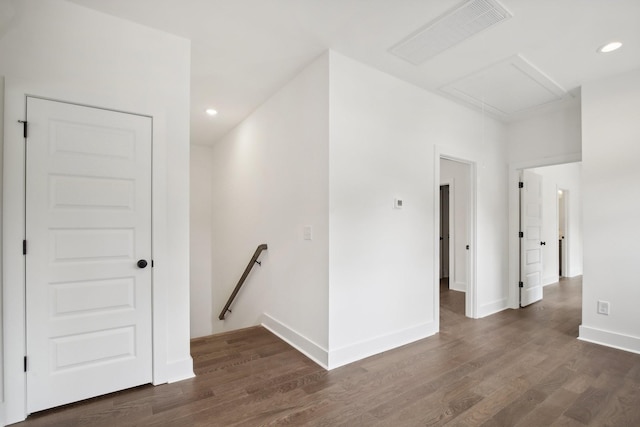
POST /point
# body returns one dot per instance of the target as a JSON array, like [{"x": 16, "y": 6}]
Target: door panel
[
  {"x": 88, "y": 221},
  {"x": 531, "y": 246}
]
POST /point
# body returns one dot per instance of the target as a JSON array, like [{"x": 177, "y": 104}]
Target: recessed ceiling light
[
  {"x": 609, "y": 47},
  {"x": 211, "y": 111}
]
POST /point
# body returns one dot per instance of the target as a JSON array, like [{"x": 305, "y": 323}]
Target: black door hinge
[
  {"x": 24, "y": 128},
  {"x": 24, "y": 247},
  {"x": 151, "y": 263},
  {"x": 521, "y": 184},
  {"x": 25, "y": 363},
  {"x": 520, "y": 234},
  {"x": 520, "y": 284}
]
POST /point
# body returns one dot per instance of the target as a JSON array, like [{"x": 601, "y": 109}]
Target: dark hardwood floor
[
  {"x": 451, "y": 301},
  {"x": 515, "y": 368}
]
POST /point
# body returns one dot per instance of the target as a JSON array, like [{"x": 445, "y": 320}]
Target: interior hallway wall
[
  {"x": 384, "y": 137},
  {"x": 200, "y": 224},
  {"x": 270, "y": 181},
  {"x": 545, "y": 136},
  {"x": 611, "y": 176},
  {"x": 331, "y": 150}
]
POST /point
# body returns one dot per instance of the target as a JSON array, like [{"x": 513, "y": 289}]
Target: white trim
[
  {"x": 550, "y": 280},
  {"x": 298, "y": 341},
  {"x": 514, "y": 208},
  {"x": 2, "y": 415},
  {"x": 471, "y": 298},
  {"x": 458, "y": 286},
  {"x": 610, "y": 339},
  {"x": 492, "y": 308},
  {"x": 360, "y": 350},
  {"x": 179, "y": 370},
  {"x": 12, "y": 259}
]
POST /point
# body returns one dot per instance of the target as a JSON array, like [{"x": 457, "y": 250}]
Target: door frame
[
  {"x": 471, "y": 300},
  {"x": 13, "y": 261},
  {"x": 514, "y": 216}
]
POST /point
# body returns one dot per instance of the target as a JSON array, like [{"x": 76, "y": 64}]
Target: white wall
[
  {"x": 457, "y": 174},
  {"x": 201, "y": 241},
  {"x": 386, "y": 138},
  {"x": 611, "y": 176},
  {"x": 566, "y": 177},
  {"x": 332, "y": 149},
  {"x": 551, "y": 136},
  {"x": 270, "y": 179},
  {"x": 59, "y": 50}
]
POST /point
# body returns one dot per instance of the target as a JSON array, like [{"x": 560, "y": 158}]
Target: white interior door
[
  {"x": 88, "y": 222},
  {"x": 531, "y": 243}
]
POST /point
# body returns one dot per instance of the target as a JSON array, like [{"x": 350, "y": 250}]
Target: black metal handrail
[{"x": 254, "y": 260}]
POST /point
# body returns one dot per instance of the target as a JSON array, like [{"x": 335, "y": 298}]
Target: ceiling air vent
[{"x": 458, "y": 24}]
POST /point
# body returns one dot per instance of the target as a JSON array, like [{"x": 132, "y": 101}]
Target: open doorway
[
  {"x": 456, "y": 231},
  {"x": 445, "y": 233},
  {"x": 559, "y": 237},
  {"x": 563, "y": 196},
  {"x": 451, "y": 300}
]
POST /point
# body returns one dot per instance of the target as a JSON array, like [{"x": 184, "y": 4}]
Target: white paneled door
[
  {"x": 88, "y": 231},
  {"x": 531, "y": 243}
]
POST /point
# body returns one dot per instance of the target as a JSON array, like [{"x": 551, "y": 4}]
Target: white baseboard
[
  {"x": 363, "y": 349},
  {"x": 610, "y": 339},
  {"x": 458, "y": 286},
  {"x": 492, "y": 308},
  {"x": 550, "y": 280},
  {"x": 180, "y": 370},
  {"x": 342, "y": 356},
  {"x": 303, "y": 344}
]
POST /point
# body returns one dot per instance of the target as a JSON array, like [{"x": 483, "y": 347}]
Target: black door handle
[{"x": 142, "y": 263}]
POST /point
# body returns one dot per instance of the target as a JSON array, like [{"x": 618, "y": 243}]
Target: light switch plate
[{"x": 307, "y": 232}]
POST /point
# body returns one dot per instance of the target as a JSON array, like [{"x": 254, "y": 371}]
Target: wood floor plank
[
  {"x": 514, "y": 411},
  {"x": 491, "y": 404},
  {"x": 550, "y": 410},
  {"x": 520, "y": 368},
  {"x": 623, "y": 409}
]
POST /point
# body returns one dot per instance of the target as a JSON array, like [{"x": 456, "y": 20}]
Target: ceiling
[{"x": 244, "y": 50}]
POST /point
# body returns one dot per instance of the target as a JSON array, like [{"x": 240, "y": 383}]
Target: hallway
[{"x": 515, "y": 368}]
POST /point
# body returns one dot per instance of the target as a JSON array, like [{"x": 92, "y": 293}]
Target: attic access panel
[{"x": 506, "y": 88}]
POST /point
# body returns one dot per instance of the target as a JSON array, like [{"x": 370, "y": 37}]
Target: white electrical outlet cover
[{"x": 603, "y": 307}]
